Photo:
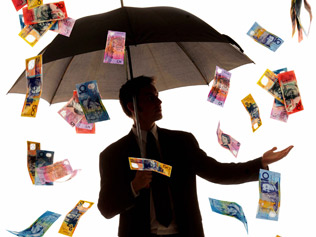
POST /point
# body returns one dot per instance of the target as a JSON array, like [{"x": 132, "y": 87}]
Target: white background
[{"x": 184, "y": 109}]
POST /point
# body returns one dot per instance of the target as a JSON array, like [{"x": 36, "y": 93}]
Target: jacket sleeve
[
  {"x": 116, "y": 194},
  {"x": 223, "y": 173}
]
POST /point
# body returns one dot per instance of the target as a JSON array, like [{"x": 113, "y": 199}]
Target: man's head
[{"x": 148, "y": 103}]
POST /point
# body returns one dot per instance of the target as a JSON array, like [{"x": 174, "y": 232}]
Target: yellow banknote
[
  {"x": 149, "y": 165},
  {"x": 34, "y": 3},
  {"x": 253, "y": 110},
  {"x": 269, "y": 81}
]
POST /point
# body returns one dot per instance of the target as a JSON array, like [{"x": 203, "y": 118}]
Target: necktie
[{"x": 159, "y": 185}]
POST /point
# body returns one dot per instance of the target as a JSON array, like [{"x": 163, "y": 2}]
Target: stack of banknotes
[{"x": 38, "y": 18}]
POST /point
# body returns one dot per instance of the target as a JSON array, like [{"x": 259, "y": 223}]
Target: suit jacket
[{"x": 181, "y": 151}]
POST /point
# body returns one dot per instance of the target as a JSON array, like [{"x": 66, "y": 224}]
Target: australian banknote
[
  {"x": 295, "y": 11},
  {"x": 34, "y": 75},
  {"x": 115, "y": 47},
  {"x": 72, "y": 111},
  {"x": 220, "y": 87},
  {"x": 264, "y": 37},
  {"x": 84, "y": 127},
  {"x": 72, "y": 218},
  {"x": 278, "y": 111},
  {"x": 18, "y": 4},
  {"x": 32, "y": 33},
  {"x": 253, "y": 110},
  {"x": 227, "y": 141},
  {"x": 269, "y": 191},
  {"x": 43, "y": 158},
  {"x": 229, "y": 209},
  {"x": 40, "y": 226},
  {"x": 34, "y": 3},
  {"x": 32, "y": 147},
  {"x": 149, "y": 165},
  {"x": 269, "y": 81},
  {"x": 290, "y": 92},
  {"x": 64, "y": 26},
  {"x": 45, "y": 13},
  {"x": 91, "y": 103}
]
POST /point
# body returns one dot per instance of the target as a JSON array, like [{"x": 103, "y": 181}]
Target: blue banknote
[
  {"x": 43, "y": 158},
  {"x": 91, "y": 103},
  {"x": 264, "y": 37},
  {"x": 269, "y": 191},
  {"x": 39, "y": 227},
  {"x": 229, "y": 209}
]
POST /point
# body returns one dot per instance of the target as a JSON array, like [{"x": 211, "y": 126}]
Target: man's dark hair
[{"x": 131, "y": 88}]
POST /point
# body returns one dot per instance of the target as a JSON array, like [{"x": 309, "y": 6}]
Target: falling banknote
[
  {"x": 253, "y": 110},
  {"x": 40, "y": 226},
  {"x": 264, "y": 37},
  {"x": 220, "y": 87},
  {"x": 44, "y": 13},
  {"x": 269, "y": 191},
  {"x": 32, "y": 33},
  {"x": 296, "y": 6},
  {"x": 149, "y": 165},
  {"x": 269, "y": 81},
  {"x": 290, "y": 92},
  {"x": 43, "y": 158},
  {"x": 91, "y": 103},
  {"x": 71, "y": 220},
  {"x": 64, "y": 27},
  {"x": 72, "y": 111},
  {"x": 34, "y": 86},
  {"x": 114, "y": 48},
  {"x": 83, "y": 127},
  {"x": 58, "y": 170},
  {"x": 229, "y": 209},
  {"x": 34, "y": 3},
  {"x": 278, "y": 111},
  {"x": 227, "y": 141},
  {"x": 32, "y": 147},
  {"x": 18, "y": 4}
]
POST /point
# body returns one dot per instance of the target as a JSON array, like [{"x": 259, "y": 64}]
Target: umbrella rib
[
  {"x": 61, "y": 79},
  {"x": 197, "y": 68}
]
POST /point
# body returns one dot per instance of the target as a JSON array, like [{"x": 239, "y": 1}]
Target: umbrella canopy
[{"x": 176, "y": 47}]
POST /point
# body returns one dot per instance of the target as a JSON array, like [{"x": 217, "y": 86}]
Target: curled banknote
[
  {"x": 32, "y": 33},
  {"x": 32, "y": 148},
  {"x": 64, "y": 26},
  {"x": 290, "y": 92},
  {"x": 229, "y": 209},
  {"x": 43, "y": 158},
  {"x": 149, "y": 165},
  {"x": 40, "y": 226},
  {"x": 220, "y": 87},
  {"x": 296, "y": 6},
  {"x": 91, "y": 103},
  {"x": 278, "y": 111},
  {"x": 72, "y": 111},
  {"x": 72, "y": 218},
  {"x": 269, "y": 191},
  {"x": 269, "y": 81},
  {"x": 33, "y": 73},
  {"x": 58, "y": 170},
  {"x": 45, "y": 13},
  {"x": 253, "y": 110},
  {"x": 227, "y": 141},
  {"x": 114, "y": 48},
  {"x": 264, "y": 37}
]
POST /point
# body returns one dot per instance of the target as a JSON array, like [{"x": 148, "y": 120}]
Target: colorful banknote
[
  {"x": 269, "y": 81},
  {"x": 39, "y": 227},
  {"x": 278, "y": 111},
  {"x": 18, "y": 4},
  {"x": 43, "y": 158},
  {"x": 296, "y": 6},
  {"x": 32, "y": 33},
  {"x": 58, "y": 170},
  {"x": 44, "y": 13},
  {"x": 290, "y": 92},
  {"x": 229, "y": 209},
  {"x": 34, "y": 86},
  {"x": 72, "y": 218},
  {"x": 21, "y": 21},
  {"x": 34, "y": 3},
  {"x": 91, "y": 103},
  {"x": 227, "y": 141},
  {"x": 220, "y": 87},
  {"x": 32, "y": 147},
  {"x": 269, "y": 191},
  {"x": 264, "y": 37},
  {"x": 278, "y": 71},
  {"x": 72, "y": 111},
  {"x": 149, "y": 165},
  {"x": 64, "y": 26},
  {"x": 83, "y": 127},
  {"x": 253, "y": 110},
  {"x": 115, "y": 47}
]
